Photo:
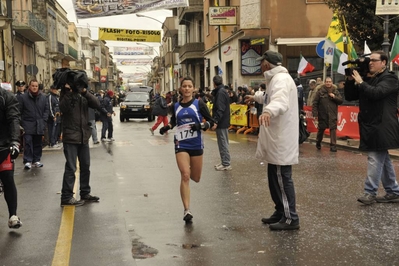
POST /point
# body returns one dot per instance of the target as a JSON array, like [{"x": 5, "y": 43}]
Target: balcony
[
  {"x": 85, "y": 33},
  {"x": 72, "y": 54},
  {"x": 29, "y": 26},
  {"x": 171, "y": 59},
  {"x": 86, "y": 53},
  {"x": 94, "y": 60},
  {"x": 175, "y": 44},
  {"x": 171, "y": 25},
  {"x": 58, "y": 51},
  {"x": 186, "y": 13},
  {"x": 193, "y": 50}
]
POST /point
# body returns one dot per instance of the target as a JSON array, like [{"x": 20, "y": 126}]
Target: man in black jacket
[
  {"x": 378, "y": 123},
  {"x": 221, "y": 116},
  {"x": 34, "y": 110},
  {"x": 74, "y": 104}
]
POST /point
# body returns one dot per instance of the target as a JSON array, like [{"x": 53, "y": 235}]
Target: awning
[{"x": 299, "y": 41}]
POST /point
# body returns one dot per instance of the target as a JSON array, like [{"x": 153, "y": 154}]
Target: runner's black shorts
[{"x": 192, "y": 153}]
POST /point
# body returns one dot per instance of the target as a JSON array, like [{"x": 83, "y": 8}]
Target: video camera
[
  {"x": 361, "y": 65},
  {"x": 76, "y": 79}
]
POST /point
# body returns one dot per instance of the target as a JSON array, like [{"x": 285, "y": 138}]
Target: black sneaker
[
  {"x": 367, "y": 199},
  {"x": 72, "y": 202},
  {"x": 388, "y": 198},
  {"x": 318, "y": 145},
  {"x": 89, "y": 197},
  {"x": 188, "y": 217},
  {"x": 284, "y": 226},
  {"x": 271, "y": 220}
]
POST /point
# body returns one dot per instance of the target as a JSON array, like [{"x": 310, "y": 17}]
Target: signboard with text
[
  {"x": 387, "y": 7},
  {"x": 127, "y": 35},
  {"x": 222, "y": 15}
]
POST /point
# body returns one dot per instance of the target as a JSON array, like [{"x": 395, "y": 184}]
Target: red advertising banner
[{"x": 347, "y": 121}]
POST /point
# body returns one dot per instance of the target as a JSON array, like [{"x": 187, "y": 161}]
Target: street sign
[
  {"x": 320, "y": 49},
  {"x": 32, "y": 69}
]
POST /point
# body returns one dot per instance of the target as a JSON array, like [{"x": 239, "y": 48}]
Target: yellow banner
[
  {"x": 126, "y": 35},
  {"x": 238, "y": 115}
]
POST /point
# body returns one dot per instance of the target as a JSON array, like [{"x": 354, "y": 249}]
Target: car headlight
[
  {"x": 147, "y": 107},
  {"x": 123, "y": 106}
]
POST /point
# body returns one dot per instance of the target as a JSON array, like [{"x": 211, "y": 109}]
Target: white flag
[
  {"x": 328, "y": 47},
  {"x": 366, "y": 49},
  {"x": 341, "y": 68}
]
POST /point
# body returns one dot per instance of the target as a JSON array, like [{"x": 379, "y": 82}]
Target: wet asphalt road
[{"x": 140, "y": 212}]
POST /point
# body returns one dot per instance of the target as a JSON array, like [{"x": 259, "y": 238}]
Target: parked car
[{"x": 136, "y": 105}]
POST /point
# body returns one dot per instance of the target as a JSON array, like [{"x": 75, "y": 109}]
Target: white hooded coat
[{"x": 279, "y": 143}]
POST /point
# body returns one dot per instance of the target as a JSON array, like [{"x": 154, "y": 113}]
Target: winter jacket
[
  {"x": 75, "y": 123},
  {"x": 221, "y": 107},
  {"x": 9, "y": 118},
  {"x": 279, "y": 141},
  {"x": 325, "y": 108},
  {"x": 106, "y": 108},
  {"x": 54, "y": 108},
  {"x": 160, "y": 107},
  {"x": 378, "y": 121},
  {"x": 34, "y": 113}
]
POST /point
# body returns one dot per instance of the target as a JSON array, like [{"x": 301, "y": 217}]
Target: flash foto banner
[
  {"x": 347, "y": 121},
  {"x": 126, "y": 35},
  {"x": 96, "y": 8},
  {"x": 238, "y": 115}
]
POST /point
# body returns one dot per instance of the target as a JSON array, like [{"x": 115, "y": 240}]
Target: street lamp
[{"x": 172, "y": 63}]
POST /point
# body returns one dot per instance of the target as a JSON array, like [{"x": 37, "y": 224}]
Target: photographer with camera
[
  {"x": 75, "y": 101},
  {"x": 377, "y": 93},
  {"x": 9, "y": 150}
]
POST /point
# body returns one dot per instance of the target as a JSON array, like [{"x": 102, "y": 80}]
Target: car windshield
[{"x": 136, "y": 97}]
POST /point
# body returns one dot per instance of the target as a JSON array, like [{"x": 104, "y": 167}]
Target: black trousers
[
  {"x": 73, "y": 152},
  {"x": 10, "y": 191},
  {"x": 282, "y": 190}
]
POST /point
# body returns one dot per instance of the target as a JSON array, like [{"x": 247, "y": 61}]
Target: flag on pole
[
  {"x": 351, "y": 50},
  {"x": 220, "y": 70},
  {"x": 366, "y": 48},
  {"x": 335, "y": 33},
  {"x": 329, "y": 48},
  {"x": 394, "y": 54},
  {"x": 304, "y": 66},
  {"x": 339, "y": 58}
]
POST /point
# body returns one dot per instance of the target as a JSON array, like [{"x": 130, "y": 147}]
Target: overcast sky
[{"x": 120, "y": 22}]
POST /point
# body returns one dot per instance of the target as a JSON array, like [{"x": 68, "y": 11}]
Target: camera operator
[
  {"x": 74, "y": 104},
  {"x": 379, "y": 127}
]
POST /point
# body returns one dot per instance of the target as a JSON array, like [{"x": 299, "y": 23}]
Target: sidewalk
[{"x": 349, "y": 144}]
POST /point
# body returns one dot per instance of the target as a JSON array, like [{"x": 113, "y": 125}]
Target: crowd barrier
[
  {"x": 244, "y": 121},
  {"x": 347, "y": 125}
]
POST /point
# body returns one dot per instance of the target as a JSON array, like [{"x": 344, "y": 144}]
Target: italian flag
[
  {"x": 304, "y": 66},
  {"x": 394, "y": 54}
]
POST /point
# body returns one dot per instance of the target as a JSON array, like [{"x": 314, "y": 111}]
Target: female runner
[{"x": 188, "y": 115}]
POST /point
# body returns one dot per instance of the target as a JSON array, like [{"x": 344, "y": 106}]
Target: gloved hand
[
  {"x": 205, "y": 126},
  {"x": 14, "y": 150},
  {"x": 163, "y": 130},
  {"x": 195, "y": 127}
]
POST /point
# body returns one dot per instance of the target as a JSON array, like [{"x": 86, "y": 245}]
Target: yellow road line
[{"x": 62, "y": 252}]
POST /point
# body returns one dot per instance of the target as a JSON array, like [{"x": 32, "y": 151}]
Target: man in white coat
[{"x": 278, "y": 143}]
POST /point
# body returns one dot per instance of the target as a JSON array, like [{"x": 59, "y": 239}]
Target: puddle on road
[
  {"x": 185, "y": 246},
  {"x": 142, "y": 251}
]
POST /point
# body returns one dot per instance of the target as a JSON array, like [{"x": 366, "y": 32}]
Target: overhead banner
[
  {"x": 133, "y": 50},
  {"x": 133, "y": 62},
  {"x": 95, "y": 8},
  {"x": 126, "y": 35}
]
